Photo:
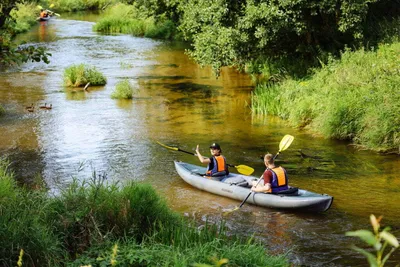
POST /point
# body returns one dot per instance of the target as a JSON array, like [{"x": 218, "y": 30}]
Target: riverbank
[
  {"x": 82, "y": 224},
  {"x": 355, "y": 98}
]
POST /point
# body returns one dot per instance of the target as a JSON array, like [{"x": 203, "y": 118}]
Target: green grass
[
  {"x": 123, "y": 18},
  {"x": 355, "y": 98},
  {"x": 82, "y": 223},
  {"x": 81, "y": 74},
  {"x": 124, "y": 90}
]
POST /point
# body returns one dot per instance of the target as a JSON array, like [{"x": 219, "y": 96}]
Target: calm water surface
[{"x": 183, "y": 105}]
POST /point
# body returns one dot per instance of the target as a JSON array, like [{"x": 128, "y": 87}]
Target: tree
[{"x": 11, "y": 53}]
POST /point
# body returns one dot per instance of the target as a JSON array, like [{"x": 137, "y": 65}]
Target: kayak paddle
[
  {"x": 283, "y": 145},
  {"x": 243, "y": 169}
]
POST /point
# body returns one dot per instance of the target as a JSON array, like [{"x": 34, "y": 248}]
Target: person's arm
[
  {"x": 201, "y": 158},
  {"x": 261, "y": 188}
]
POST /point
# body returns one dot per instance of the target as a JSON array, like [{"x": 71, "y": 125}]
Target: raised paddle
[
  {"x": 283, "y": 145},
  {"x": 243, "y": 169}
]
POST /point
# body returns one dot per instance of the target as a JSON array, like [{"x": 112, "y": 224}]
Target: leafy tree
[{"x": 9, "y": 52}]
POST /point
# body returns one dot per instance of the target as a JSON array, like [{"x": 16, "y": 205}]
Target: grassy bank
[
  {"x": 87, "y": 220},
  {"x": 354, "y": 98},
  {"x": 128, "y": 19}
]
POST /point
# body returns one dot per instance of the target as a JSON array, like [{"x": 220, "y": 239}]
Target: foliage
[
  {"x": 124, "y": 90},
  {"x": 14, "y": 18},
  {"x": 130, "y": 19},
  {"x": 379, "y": 240},
  {"x": 76, "y": 5},
  {"x": 353, "y": 98},
  {"x": 25, "y": 15},
  {"x": 81, "y": 74}
]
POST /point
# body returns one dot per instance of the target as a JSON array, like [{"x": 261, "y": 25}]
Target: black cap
[{"x": 215, "y": 145}]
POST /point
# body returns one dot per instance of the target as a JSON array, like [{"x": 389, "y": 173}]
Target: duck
[
  {"x": 44, "y": 106},
  {"x": 49, "y": 107},
  {"x": 29, "y": 107}
]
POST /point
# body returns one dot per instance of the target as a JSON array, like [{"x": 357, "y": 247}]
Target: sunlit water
[{"x": 181, "y": 104}]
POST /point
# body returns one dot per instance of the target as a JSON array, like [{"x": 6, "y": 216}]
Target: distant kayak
[
  {"x": 44, "y": 18},
  {"x": 236, "y": 186}
]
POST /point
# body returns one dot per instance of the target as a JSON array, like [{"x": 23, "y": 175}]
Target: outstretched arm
[{"x": 201, "y": 158}]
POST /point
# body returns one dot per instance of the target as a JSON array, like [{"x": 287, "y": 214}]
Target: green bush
[
  {"x": 124, "y": 90},
  {"x": 80, "y": 75},
  {"x": 25, "y": 16}
]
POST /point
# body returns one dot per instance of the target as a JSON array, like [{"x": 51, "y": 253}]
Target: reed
[{"x": 81, "y": 74}]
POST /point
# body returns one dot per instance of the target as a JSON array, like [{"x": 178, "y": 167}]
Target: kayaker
[
  {"x": 43, "y": 13},
  {"x": 274, "y": 178},
  {"x": 217, "y": 166}
]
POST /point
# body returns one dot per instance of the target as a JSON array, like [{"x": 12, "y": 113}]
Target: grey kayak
[{"x": 236, "y": 187}]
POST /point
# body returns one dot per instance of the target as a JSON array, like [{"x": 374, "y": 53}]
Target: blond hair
[{"x": 269, "y": 158}]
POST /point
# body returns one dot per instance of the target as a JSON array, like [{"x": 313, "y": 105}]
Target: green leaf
[
  {"x": 365, "y": 235},
  {"x": 370, "y": 257},
  {"x": 391, "y": 239}
]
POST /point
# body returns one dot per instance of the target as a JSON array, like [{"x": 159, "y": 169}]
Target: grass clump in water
[
  {"x": 124, "y": 90},
  {"x": 355, "y": 98},
  {"x": 81, "y": 74}
]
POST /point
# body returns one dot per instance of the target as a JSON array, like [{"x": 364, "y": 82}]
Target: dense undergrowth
[
  {"x": 355, "y": 98},
  {"x": 83, "y": 224}
]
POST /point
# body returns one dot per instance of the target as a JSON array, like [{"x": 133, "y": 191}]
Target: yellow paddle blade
[
  {"x": 243, "y": 169},
  {"x": 52, "y": 5},
  {"x": 39, "y": 7},
  {"x": 285, "y": 142},
  {"x": 168, "y": 147},
  {"x": 230, "y": 211}
]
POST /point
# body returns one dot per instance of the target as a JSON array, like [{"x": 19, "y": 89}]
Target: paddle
[
  {"x": 283, "y": 145},
  {"x": 243, "y": 169}
]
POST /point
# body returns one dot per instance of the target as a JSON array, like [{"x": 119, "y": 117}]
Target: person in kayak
[
  {"x": 217, "y": 166},
  {"x": 43, "y": 13},
  {"x": 275, "y": 178}
]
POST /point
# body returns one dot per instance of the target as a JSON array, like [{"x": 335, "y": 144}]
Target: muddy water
[{"x": 181, "y": 104}]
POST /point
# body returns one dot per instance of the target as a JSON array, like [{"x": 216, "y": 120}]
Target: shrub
[
  {"x": 80, "y": 75},
  {"x": 124, "y": 90}
]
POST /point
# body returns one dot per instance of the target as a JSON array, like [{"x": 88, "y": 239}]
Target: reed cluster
[
  {"x": 81, "y": 74},
  {"x": 354, "y": 98}
]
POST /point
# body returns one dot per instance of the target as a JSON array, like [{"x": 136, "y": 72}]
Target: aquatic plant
[
  {"x": 2, "y": 110},
  {"x": 379, "y": 240},
  {"x": 81, "y": 74},
  {"x": 124, "y": 90}
]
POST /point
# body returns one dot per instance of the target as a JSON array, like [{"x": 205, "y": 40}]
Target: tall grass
[
  {"x": 80, "y": 226},
  {"x": 81, "y": 74},
  {"x": 355, "y": 98},
  {"x": 123, "y": 18}
]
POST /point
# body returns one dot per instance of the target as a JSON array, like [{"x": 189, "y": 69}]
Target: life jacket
[
  {"x": 279, "y": 180},
  {"x": 219, "y": 167}
]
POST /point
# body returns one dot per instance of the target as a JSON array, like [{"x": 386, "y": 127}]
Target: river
[{"x": 182, "y": 104}]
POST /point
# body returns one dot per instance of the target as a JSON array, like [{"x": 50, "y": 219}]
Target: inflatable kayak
[{"x": 236, "y": 186}]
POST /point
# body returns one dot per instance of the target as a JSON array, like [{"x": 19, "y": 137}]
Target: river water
[{"x": 181, "y": 104}]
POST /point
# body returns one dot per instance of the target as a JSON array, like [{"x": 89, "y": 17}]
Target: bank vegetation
[{"x": 103, "y": 223}]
